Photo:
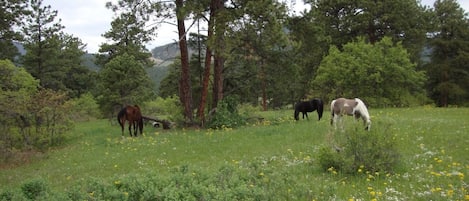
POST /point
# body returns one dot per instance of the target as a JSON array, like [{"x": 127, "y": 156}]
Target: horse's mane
[{"x": 362, "y": 107}]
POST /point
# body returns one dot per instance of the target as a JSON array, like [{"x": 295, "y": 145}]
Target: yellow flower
[
  {"x": 450, "y": 193},
  {"x": 461, "y": 175}
]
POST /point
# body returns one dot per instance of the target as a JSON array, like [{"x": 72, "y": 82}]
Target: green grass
[{"x": 433, "y": 144}]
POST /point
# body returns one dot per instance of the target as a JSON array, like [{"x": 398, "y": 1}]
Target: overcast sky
[{"x": 89, "y": 19}]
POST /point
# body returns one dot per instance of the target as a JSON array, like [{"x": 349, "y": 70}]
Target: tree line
[{"x": 390, "y": 53}]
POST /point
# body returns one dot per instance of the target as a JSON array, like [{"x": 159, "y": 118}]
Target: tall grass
[{"x": 273, "y": 159}]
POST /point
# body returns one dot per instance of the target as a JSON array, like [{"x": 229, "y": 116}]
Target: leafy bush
[
  {"x": 84, "y": 108},
  {"x": 356, "y": 150},
  {"x": 227, "y": 115},
  {"x": 33, "y": 189},
  {"x": 164, "y": 108}
]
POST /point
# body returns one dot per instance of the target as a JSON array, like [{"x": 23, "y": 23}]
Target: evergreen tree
[
  {"x": 12, "y": 13},
  {"x": 43, "y": 46},
  {"x": 449, "y": 68},
  {"x": 344, "y": 20},
  {"x": 123, "y": 79}
]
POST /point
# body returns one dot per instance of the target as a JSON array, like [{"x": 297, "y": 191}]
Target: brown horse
[{"x": 133, "y": 115}]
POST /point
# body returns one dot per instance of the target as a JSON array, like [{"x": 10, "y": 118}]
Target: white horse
[{"x": 352, "y": 107}]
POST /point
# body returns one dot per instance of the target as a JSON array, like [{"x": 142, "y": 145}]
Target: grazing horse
[
  {"x": 309, "y": 106},
  {"x": 352, "y": 107},
  {"x": 133, "y": 115}
]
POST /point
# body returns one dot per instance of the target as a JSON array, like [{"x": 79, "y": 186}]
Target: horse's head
[{"x": 368, "y": 125}]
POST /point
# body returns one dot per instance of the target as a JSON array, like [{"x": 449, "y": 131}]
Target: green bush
[
  {"x": 227, "y": 115},
  {"x": 34, "y": 189},
  {"x": 355, "y": 150},
  {"x": 84, "y": 108},
  {"x": 164, "y": 108}
]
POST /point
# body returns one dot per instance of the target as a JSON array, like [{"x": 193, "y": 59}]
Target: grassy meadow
[{"x": 275, "y": 159}]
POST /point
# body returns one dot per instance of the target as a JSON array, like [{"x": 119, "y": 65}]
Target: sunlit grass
[{"x": 432, "y": 141}]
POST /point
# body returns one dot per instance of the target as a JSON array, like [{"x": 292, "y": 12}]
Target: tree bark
[
  {"x": 219, "y": 60},
  {"x": 214, "y": 7},
  {"x": 184, "y": 81}
]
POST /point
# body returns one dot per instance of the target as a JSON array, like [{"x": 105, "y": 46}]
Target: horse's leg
[
  {"x": 122, "y": 126},
  {"x": 306, "y": 114},
  {"x": 130, "y": 128},
  {"x": 135, "y": 128}
]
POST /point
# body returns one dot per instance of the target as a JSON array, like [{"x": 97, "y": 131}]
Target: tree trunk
[
  {"x": 263, "y": 86},
  {"x": 218, "y": 80},
  {"x": 219, "y": 59},
  {"x": 185, "y": 81},
  {"x": 208, "y": 63}
]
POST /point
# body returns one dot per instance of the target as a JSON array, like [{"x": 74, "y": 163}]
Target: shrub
[
  {"x": 84, "y": 108},
  {"x": 34, "y": 189},
  {"x": 226, "y": 115},
  {"x": 356, "y": 150},
  {"x": 164, "y": 108}
]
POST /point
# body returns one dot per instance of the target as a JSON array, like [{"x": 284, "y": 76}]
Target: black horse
[{"x": 309, "y": 106}]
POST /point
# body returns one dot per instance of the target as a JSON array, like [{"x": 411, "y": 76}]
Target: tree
[
  {"x": 381, "y": 74},
  {"x": 185, "y": 92},
  {"x": 309, "y": 45},
  {"x": 43, "y": 46},
  {"x": 12, "y": 13},
  {"x": 122, "y": 81},
  {"x": 129, "y": 32},
  {"x": 345, "y": 20},
  {"x": 54, "y": 57},
  {"x": 449, "y": 70}
]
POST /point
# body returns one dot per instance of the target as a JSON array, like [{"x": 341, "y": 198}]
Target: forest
[{"x": 253, "y": 53}]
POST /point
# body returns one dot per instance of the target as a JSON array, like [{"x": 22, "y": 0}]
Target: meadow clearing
[{"x": 274, "y": 159}]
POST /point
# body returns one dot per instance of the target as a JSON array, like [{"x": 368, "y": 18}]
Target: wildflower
[
  {"x": 461, "y": 175},
  {"x": 450, "y": 192},
  {"x": 437, "y": 189}
]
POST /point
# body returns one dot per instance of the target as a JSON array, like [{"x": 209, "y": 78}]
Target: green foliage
[
  {"x": 122, "y": 81},
  {"x": 380, "y": 73},
  {"x": 226, "y": 115},
  {"x": 164, "y": 108},
  {"x": 83, "y": 108},
  {"x": 34, "y": 189},
  {"x": 12, "y": 14},
  {"x": 448, "y": 72},
  {"x": 355, "y": 150}
]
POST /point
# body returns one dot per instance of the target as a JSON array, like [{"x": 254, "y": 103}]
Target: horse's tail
[
  {"x": 332, "y": 111},
  {"x": 320, "y": 107},
  {"x": 120, "y": 115},
  {"x": 297, "y": 115},
  {"x": 297, "y": 112}
]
